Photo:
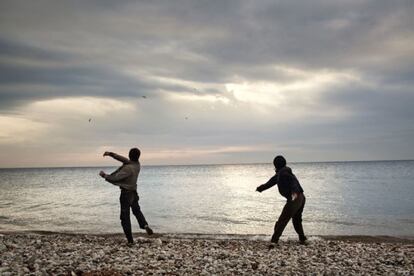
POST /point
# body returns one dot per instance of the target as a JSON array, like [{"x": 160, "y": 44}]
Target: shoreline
[
  {"x": 52, "y": 253},
  {"x": 258, "y": 237}
]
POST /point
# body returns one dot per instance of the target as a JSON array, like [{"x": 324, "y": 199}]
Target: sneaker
[
  {"x": 303, "y": 240},
  {"x": 272, "y": 245},
  {"x": 149, "y": 230},
  {"x": 130, "y": 244}
]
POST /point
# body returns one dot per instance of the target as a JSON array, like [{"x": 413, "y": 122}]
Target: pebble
[
  {"x": 158, "y": 241},
  {"x": 3, "y": 247},
  {"x": 60, "y": 254}
]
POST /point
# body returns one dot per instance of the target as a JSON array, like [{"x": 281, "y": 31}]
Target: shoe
[
  {"x": 149, "y": 230},
  {"x": 272, "y": 245},
  {"x": 130, "y": 244},
  {"x": 303, "y": 240}
]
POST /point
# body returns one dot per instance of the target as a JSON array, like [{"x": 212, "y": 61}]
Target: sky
[{"x": 205, "y": 82}]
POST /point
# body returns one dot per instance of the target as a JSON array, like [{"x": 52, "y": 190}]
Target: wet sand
[{"x": 48, "y": 253}]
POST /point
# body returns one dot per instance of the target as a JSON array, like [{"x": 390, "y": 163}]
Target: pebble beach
[{"x": 78, "y": 254}]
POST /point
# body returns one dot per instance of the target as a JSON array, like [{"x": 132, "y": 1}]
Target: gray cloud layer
[{"x": 361, "y": 107}]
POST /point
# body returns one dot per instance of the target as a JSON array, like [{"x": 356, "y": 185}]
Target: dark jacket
[{"x": 286, "y": 182}]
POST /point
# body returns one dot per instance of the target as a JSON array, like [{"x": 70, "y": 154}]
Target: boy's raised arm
[{"x": 118, "y": 157}]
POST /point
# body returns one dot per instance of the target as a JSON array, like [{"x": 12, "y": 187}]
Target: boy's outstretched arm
[
  {"x": 272, "y": 182},
  {"x": 115, "y": 156}
]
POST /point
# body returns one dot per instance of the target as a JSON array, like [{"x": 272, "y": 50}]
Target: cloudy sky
[{"x": 196, "y": 82}]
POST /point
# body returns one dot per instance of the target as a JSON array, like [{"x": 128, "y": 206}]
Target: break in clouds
[{"x": 205, "y": 81}]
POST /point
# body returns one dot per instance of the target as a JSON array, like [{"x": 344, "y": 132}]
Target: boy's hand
[
  {"x": 107, "y": 153},
  {"x": 258, "y": 189},
  {"x": 102, "y": 174}
]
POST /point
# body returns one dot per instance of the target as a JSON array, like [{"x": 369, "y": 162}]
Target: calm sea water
[{"x": 371, "y": 198}]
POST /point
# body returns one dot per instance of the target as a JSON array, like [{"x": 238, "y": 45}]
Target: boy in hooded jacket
[{"x": 289, "y": 187}]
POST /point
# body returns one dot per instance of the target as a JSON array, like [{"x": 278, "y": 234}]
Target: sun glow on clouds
[
  {"x": 186, "y": 154},
  {"x": 40, "y": 119},
  {"x": 300, "y": 94},
  {"x": 194, "y": 91},
  {"x": 203, "y": 98},
  {"x": 257, "y": 93},
  {"x": 80, "y": 106},
  {"x": 295, "y": 97},
  {"x": 306, "y": 89},
  {"x": 19, "y": 130}
]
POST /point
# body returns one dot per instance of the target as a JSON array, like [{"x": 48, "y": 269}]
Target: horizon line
[{"x": 212, "y": 164}]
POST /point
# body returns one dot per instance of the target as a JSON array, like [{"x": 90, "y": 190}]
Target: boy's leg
[
  {"x": 136, "y": 210},
  {"x": 281, "y": 223},
  {"x": 125, "y": 220},
  {"x": 297, "y": 220}
]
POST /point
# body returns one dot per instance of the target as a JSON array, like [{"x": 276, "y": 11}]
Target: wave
[
  {"x": 409, "y": 239},
  {"x": 221, "y": 219}
]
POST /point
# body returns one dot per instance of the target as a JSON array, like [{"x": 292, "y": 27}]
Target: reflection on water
[{"x": 342, "y": 198}]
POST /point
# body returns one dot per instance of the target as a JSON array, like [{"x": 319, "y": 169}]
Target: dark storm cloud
[
  {"x": 233, "y": 38},
  {"x": 311, "y": 35},
  {"x": 60, "y": 74},
  {"x": 325, "y": 33},
  {"x": 240, "y": 38},
  {"x": 376, "y": 105},
  {"x": 14, "y": 49}
]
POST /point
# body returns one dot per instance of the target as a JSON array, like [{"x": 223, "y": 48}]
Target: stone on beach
[{"x": 59, "y": 254}]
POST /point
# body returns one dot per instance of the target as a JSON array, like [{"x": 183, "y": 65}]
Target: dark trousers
[
  {"x": 292, "y": 210},
  {"x": 129, "y": 199}
]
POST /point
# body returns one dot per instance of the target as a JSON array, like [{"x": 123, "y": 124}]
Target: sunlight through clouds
[
  {"x": 77, "y": 108},
  {"x": 16, "y": 129},
  {"x": 203, "y": 98},
  {"x": 305, "y": 90},
  {"x": 184, "y": 154}
]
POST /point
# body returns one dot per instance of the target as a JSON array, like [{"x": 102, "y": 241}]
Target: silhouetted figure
[
  {"x": 290, "y": 188},
  {"x": 126, "y": 178}
]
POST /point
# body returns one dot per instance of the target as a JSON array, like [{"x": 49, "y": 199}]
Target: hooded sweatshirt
[{"x": 286, "y": 181}]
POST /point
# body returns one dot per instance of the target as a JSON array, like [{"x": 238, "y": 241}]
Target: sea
[{"x": 342, "y": 198}]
